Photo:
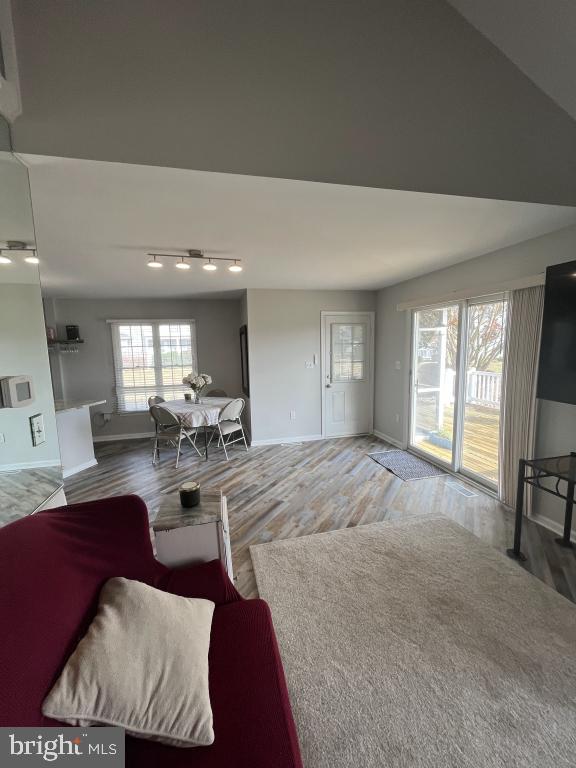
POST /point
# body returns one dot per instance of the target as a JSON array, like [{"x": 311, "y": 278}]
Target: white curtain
[{"x": 518, "y": 420}]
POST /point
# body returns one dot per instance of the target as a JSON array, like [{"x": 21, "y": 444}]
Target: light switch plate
[{"x": 37, "y": 429}]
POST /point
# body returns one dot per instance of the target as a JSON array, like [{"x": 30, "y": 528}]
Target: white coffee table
[{"x": 184, "y": 536}]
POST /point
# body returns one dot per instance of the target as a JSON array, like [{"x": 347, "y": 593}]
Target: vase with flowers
[{"x": 197, "y": 382}]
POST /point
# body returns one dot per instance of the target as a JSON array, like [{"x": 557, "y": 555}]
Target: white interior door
[{"x": 347, "y": 373}]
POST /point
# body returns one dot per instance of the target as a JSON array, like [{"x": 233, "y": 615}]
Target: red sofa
[{"x": 52, "y": 567}]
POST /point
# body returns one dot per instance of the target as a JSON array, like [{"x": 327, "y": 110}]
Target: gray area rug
[
  {"x": 415, "y": 644},
  {"x": 405, "y": 465}
]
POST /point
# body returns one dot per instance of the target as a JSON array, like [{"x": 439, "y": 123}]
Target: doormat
[{"x": 405, "y": 465}]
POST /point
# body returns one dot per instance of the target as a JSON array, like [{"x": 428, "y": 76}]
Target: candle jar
[{"x": 189, "y": 494}]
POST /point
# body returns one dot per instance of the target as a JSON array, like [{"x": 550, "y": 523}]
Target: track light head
[
  {"x": 235, "y": 267},
  {"x": 209, "y": 267},
  {"x": 182, "y": 264},
  {"x": 153, "y": 264}
]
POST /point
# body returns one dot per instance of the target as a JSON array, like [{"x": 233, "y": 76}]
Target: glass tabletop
[{"x": 563, "y": 467}]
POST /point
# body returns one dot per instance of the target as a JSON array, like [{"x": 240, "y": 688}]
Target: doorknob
[{"x": 328, "y": 386}]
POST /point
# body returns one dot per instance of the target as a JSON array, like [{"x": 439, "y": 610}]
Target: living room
[{"x": 287, "y": 392}]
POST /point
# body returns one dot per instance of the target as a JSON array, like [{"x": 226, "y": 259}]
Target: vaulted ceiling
[
  {"x": 377, "y": 93},
  {"x": 539, "y": 36}
]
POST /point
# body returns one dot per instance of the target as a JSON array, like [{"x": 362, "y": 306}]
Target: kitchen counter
[
  {"x": 75, "y": 434},
  {"x": 71, "y": 405}
]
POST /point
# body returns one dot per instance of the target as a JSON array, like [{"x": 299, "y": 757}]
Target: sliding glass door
[
  {"x": 482, "y": 385},
  {"x": 456, "y": 385},
  {"x": 433, "y": 371}
]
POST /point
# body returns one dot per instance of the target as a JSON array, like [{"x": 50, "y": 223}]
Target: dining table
[{"x": 203, "y": 414}]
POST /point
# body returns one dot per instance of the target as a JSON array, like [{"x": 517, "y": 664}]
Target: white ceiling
[
  {"x": 539, "y": 36},
  {"x": 95, "y": 222}
]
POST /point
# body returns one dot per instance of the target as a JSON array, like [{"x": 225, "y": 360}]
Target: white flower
[{"x": 197, "y": 381}]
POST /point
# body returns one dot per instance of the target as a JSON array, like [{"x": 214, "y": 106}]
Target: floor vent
[{"x": 461, "y": 489}]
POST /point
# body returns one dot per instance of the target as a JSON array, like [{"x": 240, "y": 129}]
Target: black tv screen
[{"x": 557, "y": 370}]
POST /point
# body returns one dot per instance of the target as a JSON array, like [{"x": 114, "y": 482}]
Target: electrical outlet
[
  {"x": 397, "y": 418},
  {"x": 397, "y": 365},
  {"x": 2, "y": 437},
  {"x": 309, "y": 364},
  {"x": 292, "y": 415}
]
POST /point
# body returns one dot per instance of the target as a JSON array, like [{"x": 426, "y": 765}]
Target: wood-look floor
[{"x": 278, "y": 492}]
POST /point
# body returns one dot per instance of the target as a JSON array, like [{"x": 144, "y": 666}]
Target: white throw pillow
[{"x": 142, "y": 665}]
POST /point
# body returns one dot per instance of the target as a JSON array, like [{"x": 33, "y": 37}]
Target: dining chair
[
  {"x": 155, "y": 400},
  {"x": 171, "y": 431},
  {"x": 216, "y": 393},
  {"x": 229, "y": 424}
]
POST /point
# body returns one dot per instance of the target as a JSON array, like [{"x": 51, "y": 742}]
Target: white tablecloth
[{"x": 203, "y": 414}]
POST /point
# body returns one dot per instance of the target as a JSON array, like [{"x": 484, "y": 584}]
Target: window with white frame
[{"x": 150, "y": 358}]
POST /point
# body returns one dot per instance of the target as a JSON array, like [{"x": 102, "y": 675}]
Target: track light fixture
[
  {"x": 14, "y": 247},
  {"x": 193, "y": 253},
  {"x": 182, "y": 264}
]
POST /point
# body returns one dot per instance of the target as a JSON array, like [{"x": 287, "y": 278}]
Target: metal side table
[{"x": 563, "y": 469}]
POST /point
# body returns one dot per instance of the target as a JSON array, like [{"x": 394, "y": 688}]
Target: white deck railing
[{"x": 484, "y": 388}]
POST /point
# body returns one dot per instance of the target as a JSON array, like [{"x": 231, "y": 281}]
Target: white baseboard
[
  {"x": 278, "y": 440},
  {"x": 312, "y": 438},
  {"x": 79, "y": 468},
  {"x": 388, "y": 439},
  {"x": 552, "y": 525},
  {"x": 30, "y": 465},
  {"x": 129, "y": 436}
]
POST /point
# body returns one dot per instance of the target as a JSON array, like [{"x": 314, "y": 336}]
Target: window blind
[{"x": 150, "y": 358}]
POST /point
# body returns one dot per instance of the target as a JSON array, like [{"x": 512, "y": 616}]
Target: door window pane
[
  {"x": 348, "y": 350},
  {"x": 434, "y": 378},
  {"x": 486, "y": 330}
]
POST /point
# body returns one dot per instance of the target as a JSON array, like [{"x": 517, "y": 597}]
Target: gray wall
[
  {"x": 5, "y": 143},
  {"x": 90, "y": 373},
  {"x": 247, "y": 416},
  {"x": 383, "y": 93},
  {"x": 23, "y": 352},
  {"x": 556, "y": 431},
  {"x": 22, "y": 337},
  {"x": 284, "y": 332}
]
